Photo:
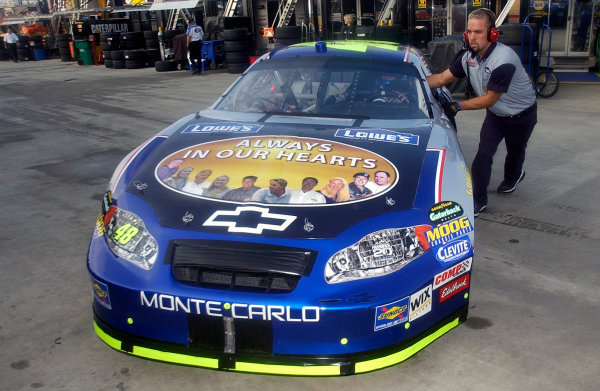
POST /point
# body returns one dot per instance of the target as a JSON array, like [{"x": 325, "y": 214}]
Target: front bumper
[{"x": 278, "y": 364}]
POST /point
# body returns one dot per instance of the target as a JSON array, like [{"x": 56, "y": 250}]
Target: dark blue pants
[{"x": 516, "y": 132}]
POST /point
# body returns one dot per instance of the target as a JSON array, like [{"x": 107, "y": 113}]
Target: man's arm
[
  {"x": 441, "y": 79},
  {"x": 481, "y": 102}
]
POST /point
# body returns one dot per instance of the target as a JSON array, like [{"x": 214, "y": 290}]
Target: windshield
[{"x": 329, "y": 86}]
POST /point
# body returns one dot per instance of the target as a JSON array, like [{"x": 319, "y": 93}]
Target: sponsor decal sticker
[
  {"x": 384, "y": 135},
  {"x": 447, "y": 291},
  {"x": 100, "y": 292},
  {"x": 192, "y": 170},
  {"x": 450, "y": 274},
  {"x": 448, "y": 231},
  {"x": 420, "y": 303},
  {"x": 234, "y": 310},
  {"x": 391, "y": 314},
  {"x": 453, "y": 251},
  {"x": 222, "y": 127},
  {"x": 445, "y": 211}
]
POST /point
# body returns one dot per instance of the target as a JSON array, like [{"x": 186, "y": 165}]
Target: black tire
[
  {"x": 288, "y": 32},
  {"x": 170, "y": 34},
  {"x": 165, "y": 66},
  {"x": 236, "y": 57},
  {"x": 22, "y": 45},
  {"x": 132, "y": 36},
  {"x": 238, "y": 67},
  {"x": 131, "y": 45},
  {"x": 117, "y": 55},
  {"x": 38, "y": 45},
  {"x": 238, "y": 34},
  {"x": 150, "y": 35},
  {"x": 105, "y": 46},
  {"x": 135, "y": 64},
  {"x": 236, "y": 46},
  {"x": 24, "y": 57},
  {"x": 64, "y": 51},
  {"x": 118, "y": 64},
  {"x": 134, "y": 55},
  {"x": 23, "y": 39},
  {"x": 152, "y": 44},
  {"x": 152, "y": 55},
  {"x": 63, "y": 44},
  {"x": 108, "y": 63},
  {"x": 107, "y": 55},
  {"x": 105, "y": 37},
  {"x": 551, "y": 86},
  {"x": 66, "y": 57},
  {"x": 23, "y": 52},
  {"x": 36, "y": 38}
]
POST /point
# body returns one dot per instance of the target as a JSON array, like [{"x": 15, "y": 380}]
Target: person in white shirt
[
  {"x": 307, "y": 195},
  {"x": 381, "y": 181},
  {"x": 194, "y": 43},
  {"x": 10, "y": 43},
  {"x": 199, "y": 184}
]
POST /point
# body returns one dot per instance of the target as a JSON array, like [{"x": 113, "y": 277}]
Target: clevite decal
[
  {"x": 384, "y": 135},
  {"x": 453, "y": 251}
]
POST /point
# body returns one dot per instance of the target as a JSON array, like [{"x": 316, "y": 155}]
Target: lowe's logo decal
[
  {"x": 222, "y": 127},
  {"x": 453, "y": 251},
  {"x": 379, "y": 135},
  {"x": 249, "y": 219}
]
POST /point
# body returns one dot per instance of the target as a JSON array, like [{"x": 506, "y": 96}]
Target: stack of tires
[
  {"x": 62, "y": 41},
  {"x": 236, "y": 50},
  {"x": 4, "y": 55},
  {"x": 24, "y": 52},
  {"x": 109, "y": 42}
]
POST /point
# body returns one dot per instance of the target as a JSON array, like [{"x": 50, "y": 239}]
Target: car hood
[{"x": 268, "y": 150}]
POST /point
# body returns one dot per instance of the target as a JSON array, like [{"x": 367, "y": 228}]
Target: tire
[
  {"x": 105, "y": 46},
  {"x": 36, "y": 38},
  {"x": 117, "y": 55},
  {"x": 66, "y": 57},
  {"x": 134, "y": 55},
  {"x": 106, "y": 37},
  {"x": 64, "y": 51},
  {"x": 288, "y": 32},
  {"x": 238, "y": 34},
  {"x": 108, "y": 63},
  {"x": 152, "y": 55},
  {"x": 170, "y": 34},
  {"x": 118, "y": 64},
  {"x": 23, "y": 52},
  {"x": 131, "y": 45},
  {"x": 132, "y": 36},
  {"x": 236, "y": 46},
  {"x": 135, "y": 64},
  {"x": 63, "y": 44},
  {"x": 152, "y": 35},
  {"x": 238, "y": 67},
  {"x": 236, "y": 57},
  {"x": 552, "y": 84},
  {"x": 23, "y": 39},
  {"x": 24, "y": 57},
  {"x": 152, "y": 44},
  {"x": 165, "y": 66},
  {"x": 107, "y": 55},
  {"x": 22, "y": 45}
]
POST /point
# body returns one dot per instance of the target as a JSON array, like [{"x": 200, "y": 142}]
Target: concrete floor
[{"x": 534, "y": 317}]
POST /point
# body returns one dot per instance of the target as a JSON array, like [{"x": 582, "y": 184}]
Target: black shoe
[
  {"x": 479, "y": 208},
  {"x": 510, "y": 187}
]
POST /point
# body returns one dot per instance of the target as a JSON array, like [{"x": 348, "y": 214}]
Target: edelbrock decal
[
  {"x": 453, "y": 251},
  {"x": 222, "y": 127},
  {"x": 384, "y": 135},
  {"x": 454, "y": 287}
]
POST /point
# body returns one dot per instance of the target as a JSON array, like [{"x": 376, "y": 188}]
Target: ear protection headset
[{"x": 493, "y": 33}]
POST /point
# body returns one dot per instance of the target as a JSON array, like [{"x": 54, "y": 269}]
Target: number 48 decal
[{"x": 125, "y": 233}]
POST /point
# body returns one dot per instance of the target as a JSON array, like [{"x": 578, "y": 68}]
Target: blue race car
[{"x": 316, "y": 220}]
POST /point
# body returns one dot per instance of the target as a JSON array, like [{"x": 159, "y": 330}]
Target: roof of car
[{"x": 350, "y": 48}]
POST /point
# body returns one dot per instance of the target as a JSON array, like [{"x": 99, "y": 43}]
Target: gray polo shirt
[{"x": 499, "y": 70}]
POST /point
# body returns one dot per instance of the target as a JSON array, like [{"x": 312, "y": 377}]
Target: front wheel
[{"x": 547, "y": 84}]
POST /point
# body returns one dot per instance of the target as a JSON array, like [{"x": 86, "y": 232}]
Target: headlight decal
[
  {"x": 127, "y": 235},
  {"x": 377, "y": 254}
]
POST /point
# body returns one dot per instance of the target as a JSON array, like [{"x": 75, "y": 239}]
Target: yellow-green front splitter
[{"x": 305, "y": 366}]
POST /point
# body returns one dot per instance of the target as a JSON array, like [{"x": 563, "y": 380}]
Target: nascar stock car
[{"x": 317, "y": 219}]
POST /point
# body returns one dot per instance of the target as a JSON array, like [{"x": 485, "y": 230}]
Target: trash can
[
  {"x": 39, "y": 54},
  {"x": 213, "y": 51},
  {"x": 83, "y": 52}
]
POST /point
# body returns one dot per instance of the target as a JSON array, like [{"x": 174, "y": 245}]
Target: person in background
[
  {"x": 336, "y": 190},
  {"x": 348, "y": 29},
  {"x": 200, "y": 183},
  {"x": 307, "y": 195},
  {"x": 244, "y": 193},
  {"x": 10, "y": 43},
  {"x": 194, "y": 35},
  {"x": 276, "y": 193},
  {"x": 357, "y": 187},
  {"x": 503, "y": 88},
  {"x": 381, "y": 181}
]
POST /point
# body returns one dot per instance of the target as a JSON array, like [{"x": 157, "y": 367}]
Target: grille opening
[{"x": 240, "y": 266}]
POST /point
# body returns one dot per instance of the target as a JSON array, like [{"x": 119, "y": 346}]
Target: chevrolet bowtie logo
[{"x": 249, "y": 219}]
